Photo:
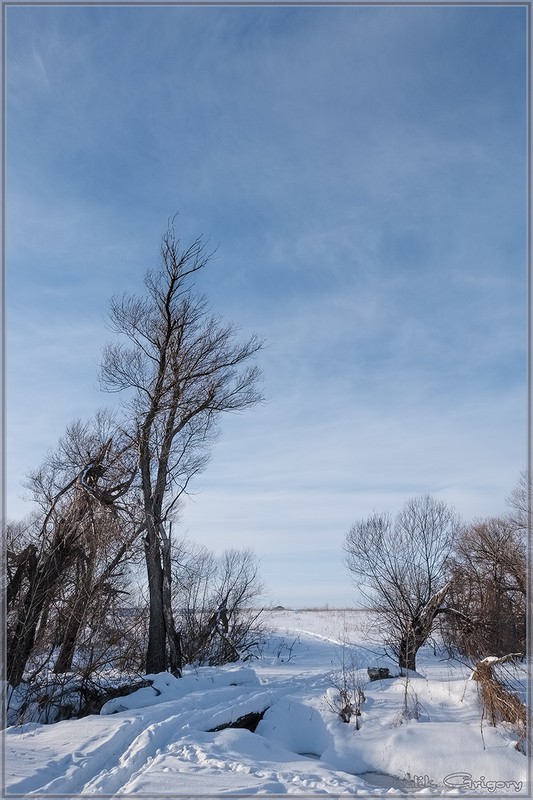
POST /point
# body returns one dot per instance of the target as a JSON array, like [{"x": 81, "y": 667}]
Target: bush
[
  {"x": 215, "y": 601},
  {"x": 488, "y": 585}
]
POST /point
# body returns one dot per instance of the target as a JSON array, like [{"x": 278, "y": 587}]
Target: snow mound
[
  {"x": 166, "y": 688},
  {"x": 295, "y": 727}
]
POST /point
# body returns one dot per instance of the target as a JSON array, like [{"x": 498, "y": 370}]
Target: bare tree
[
  {"x": 102, "y": 560},
  {"x": 489, "y": 584},
  {"x": 520, "y": 503},
  {"x": 236, "y": 617},
  {"x": 181, "y": 368},
  {"x": 194, "y": 572},
  {"x": 20, "y": 550},
  {"x": 217, "y": 602},
  {"x": 400, "y": 567},
  {"x": 78, "y": 484}
]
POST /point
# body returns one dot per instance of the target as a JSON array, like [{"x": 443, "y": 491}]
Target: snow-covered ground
[{"x": 424, "y": 737}]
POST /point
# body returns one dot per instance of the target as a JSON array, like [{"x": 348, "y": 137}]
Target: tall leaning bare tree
[{"x": 180, "y": 368}]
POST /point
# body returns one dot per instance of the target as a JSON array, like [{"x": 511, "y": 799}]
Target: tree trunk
[
  {"x": 87, "y": 589},
  {"x": 70, "y": 636},
  {"x": 26, "y": 563},
  {"x": 173, "y": 637},
  {"x": 409, "y": 647},
  {"x": 419, "y": 629},
  {"x": 68, "y": 645},
  {"x": 161, "y": 629},
  {"x": 42, "y": 583},
  {"x": 156, "y": 660},
  {"x": 76, "y": 610}
]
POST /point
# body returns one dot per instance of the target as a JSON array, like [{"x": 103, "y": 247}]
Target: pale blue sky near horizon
[{"x": 362, "y": 174}]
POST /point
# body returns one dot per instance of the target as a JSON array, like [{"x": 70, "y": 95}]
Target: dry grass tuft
[{"x": 500, "y": 704}]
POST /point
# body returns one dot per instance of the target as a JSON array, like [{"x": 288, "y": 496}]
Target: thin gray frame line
[
  {"x": 529, "y": 359},
  {"x": 272, "y": 3}
]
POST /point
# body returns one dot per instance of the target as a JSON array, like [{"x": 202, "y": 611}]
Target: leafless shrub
[
  {"x": 520, "y": 502},
  {"x": 412, "y": 708},
  {"x": 349, "y": 685},
  {"x": 215, "y": 601},
  {"x": 285, "y": 649},
  {"x": 488, "y": 584}
]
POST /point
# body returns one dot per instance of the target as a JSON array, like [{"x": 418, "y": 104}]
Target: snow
[{"x": 161, "y": 740}]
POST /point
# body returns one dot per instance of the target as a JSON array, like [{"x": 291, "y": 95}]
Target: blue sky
[{"x": 362, "y": 172}]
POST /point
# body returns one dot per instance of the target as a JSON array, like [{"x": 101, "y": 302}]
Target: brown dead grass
[{"x": 499, "y": 703}]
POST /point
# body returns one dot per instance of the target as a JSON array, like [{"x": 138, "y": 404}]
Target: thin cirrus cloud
[
  {"x": 301, "y": 478},
  {"x": 360, "y": 173}
]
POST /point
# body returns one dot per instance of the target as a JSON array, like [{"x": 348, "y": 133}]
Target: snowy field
[{"x": 424, "y": 737}]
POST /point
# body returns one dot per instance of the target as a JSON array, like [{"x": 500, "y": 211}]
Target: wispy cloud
[{"x": 363, "y": 171}]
